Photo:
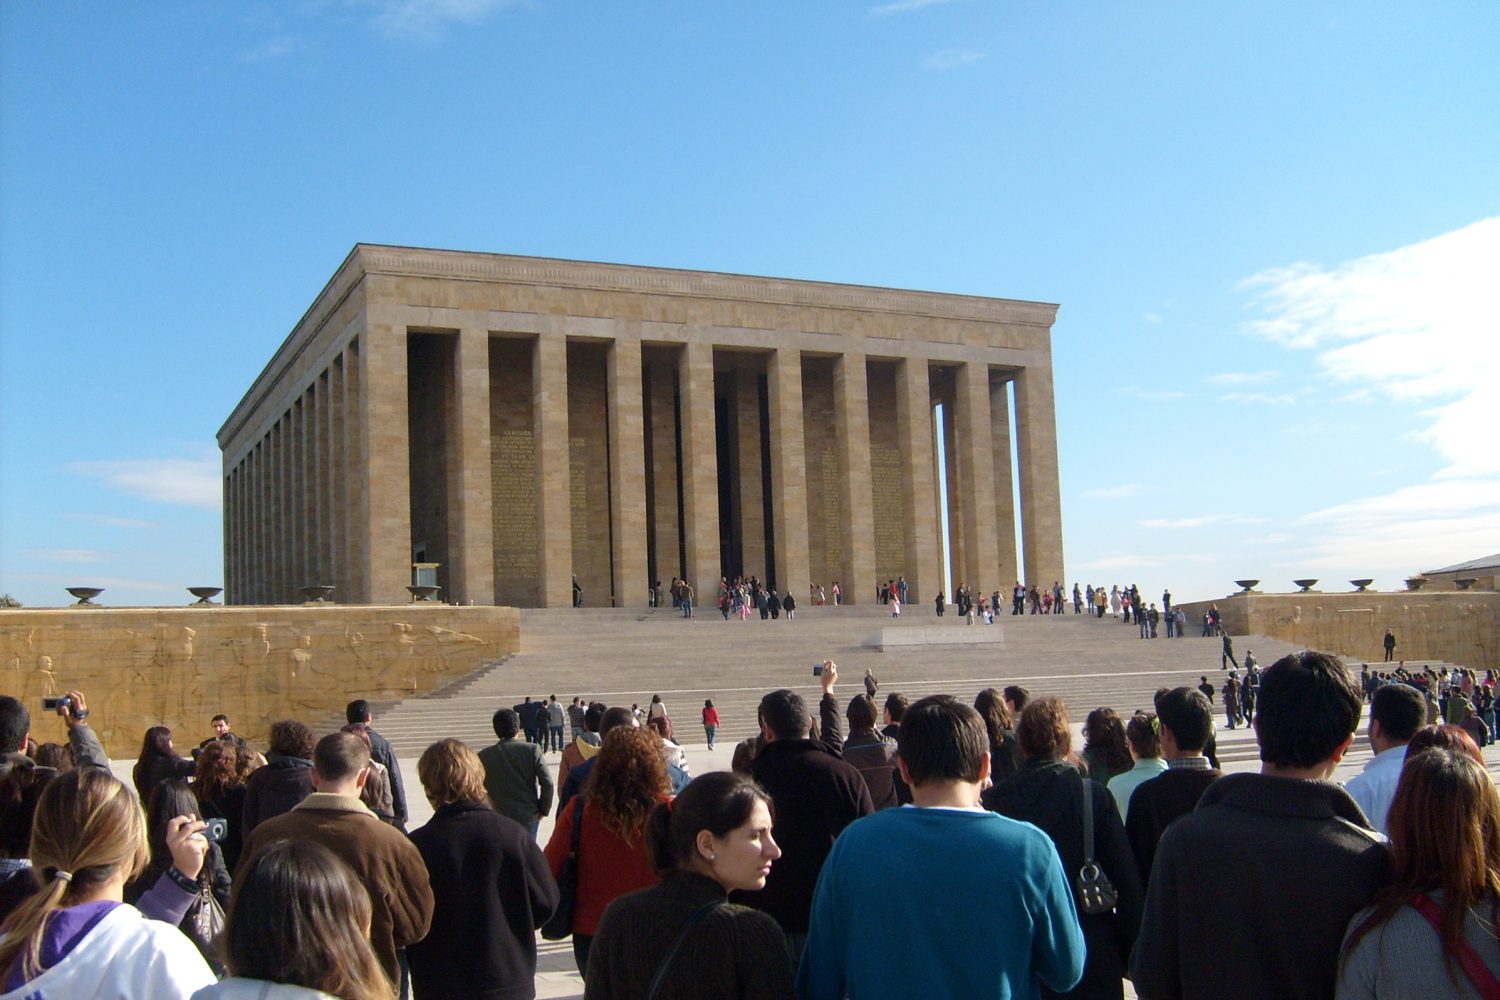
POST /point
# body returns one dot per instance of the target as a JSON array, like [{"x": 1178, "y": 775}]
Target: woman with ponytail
[
  {"x": 75, "y": 937},
  {"x": 682, "y": 938}
]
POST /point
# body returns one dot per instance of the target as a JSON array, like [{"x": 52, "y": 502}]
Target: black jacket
[
  {"x": 380, "y": 750},
  {"x": 492, "y": 889},
  {"x": 1046, "y": 793},
  {"x": 816, "y": 794},
  {"x": 275, "y": 789}
]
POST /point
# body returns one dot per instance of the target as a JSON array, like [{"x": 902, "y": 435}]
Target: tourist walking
[{"x": 710, "y": 721}]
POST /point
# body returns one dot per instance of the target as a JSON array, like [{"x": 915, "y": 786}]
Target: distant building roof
[{"x": 1483, "y": 562}]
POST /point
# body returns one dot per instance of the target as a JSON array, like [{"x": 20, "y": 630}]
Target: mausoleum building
[{"x": 522, "y": 422}]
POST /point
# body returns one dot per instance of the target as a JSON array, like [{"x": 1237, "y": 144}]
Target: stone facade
[
  {"x": 178, "y": 667},
  {"x": 1461, "y": 627},
  {"x": 522, "y": 422}
]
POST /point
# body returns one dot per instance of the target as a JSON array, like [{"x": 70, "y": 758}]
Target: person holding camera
[{"x": 15, "y": 731}]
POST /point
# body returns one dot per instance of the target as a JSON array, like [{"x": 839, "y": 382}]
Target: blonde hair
[
  {"x": 88, "y": 828},
  {"x": 450, "y": 772}
]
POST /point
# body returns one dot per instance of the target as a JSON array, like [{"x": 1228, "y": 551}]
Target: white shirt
[{"x": 1375, "y": 786}]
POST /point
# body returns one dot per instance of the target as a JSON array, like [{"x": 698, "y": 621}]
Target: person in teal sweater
[{"x": 1008, "y": 925}]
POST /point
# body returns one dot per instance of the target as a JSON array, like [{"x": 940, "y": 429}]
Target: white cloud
[
  {"x": 1136, "y": 392},
  {"x": 1152, "y": 319},
  {"x": 1260, "y": 398},
  {"x": 905, "y": 7},
  {"x": 1199, "y": 521},
  {"x": 66, "y": 555},
  {"x": 1132, "y": 562},
  {"x": 425, "y": 20},
  {"x": 1243, "y": 378},
  {"x": 273, "y": 48},
  {"x": 952, "y": 59},
  {"x": 110, "y": 521},
  {"x": 1114, "y": 492},
  {"x": 1419, "y": 323},
  {"x": 191, "y": 482}
]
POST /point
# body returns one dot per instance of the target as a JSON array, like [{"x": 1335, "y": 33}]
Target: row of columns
[{"x": 324, "y": 495}]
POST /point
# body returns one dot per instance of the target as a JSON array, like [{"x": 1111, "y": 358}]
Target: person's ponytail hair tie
[{"x": 60, "y": 875}]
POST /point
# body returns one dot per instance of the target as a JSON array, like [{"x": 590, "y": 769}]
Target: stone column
[
  {"x": 752, "y": 488},
  {"x": 627, "y": 473},
  {"x": 789, "y": 471},
  {"x": 665, "y": 506},
  {"x": 700, "y": 470},
  {"x": 339, "y": 535},
  {"x": 549, "y": 382},
  {"x": 383, "y": 433},
  {"x": 355, "y": 481},
  {"x": 919, "y": 488},
  {"x": 285, "y": 515},
  {"x": 851, "y": 403},
  {"x": 976, "y": 479},
  {"x": 1041, "y": 500},
  {"x": 259, "y": 591},
  {"x": 1005, "y": 501},
  {"x": 317, "y": 477},
  {"x": 471, "y": 528}
]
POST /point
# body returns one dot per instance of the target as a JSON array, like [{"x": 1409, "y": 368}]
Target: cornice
[{"x": 504, "y": 268}]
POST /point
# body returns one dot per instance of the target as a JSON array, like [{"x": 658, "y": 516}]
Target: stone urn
[
  {"x": 1415, "y": 582},
  {"x": 1306, "y": 585},
  {"x": 423, "y": 593},
  {"x": 85, "y": 596},
  {"x": 1360, "y": 586},
  {"x": 205, "y": 595},
  {"x": 317, "y": 593},
  {"x": 1246, "y": 586},
  {"x": 1466, "y": 582}
]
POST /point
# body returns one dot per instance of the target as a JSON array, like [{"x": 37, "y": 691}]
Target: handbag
[
  {"x": 560, "y": 924},
  {"x": 1480, "y": 976},
  {"x": 1096, "y": 893},
  {"x": 204, "y": 923}
]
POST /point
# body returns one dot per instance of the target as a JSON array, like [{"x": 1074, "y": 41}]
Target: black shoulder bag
[
  {"x": 560, "y": 924},
  {"x": 1096, "y": 894},
  {"x": 666, "y": 963}
]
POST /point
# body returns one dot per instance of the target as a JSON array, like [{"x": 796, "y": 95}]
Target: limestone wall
[
  {"x": 1461, "y": 627},
  {"x": 141, "y": 667}
]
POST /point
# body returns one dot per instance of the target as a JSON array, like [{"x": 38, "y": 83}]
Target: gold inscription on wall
[
  {"x": 833, "y": 512},
  {"x": 513, "y": 461},
  {"x": 890, "y": 545},
  {"x": 578, "y": 487}
]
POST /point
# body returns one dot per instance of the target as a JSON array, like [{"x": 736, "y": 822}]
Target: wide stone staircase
[{"x": 625, "y": 656}]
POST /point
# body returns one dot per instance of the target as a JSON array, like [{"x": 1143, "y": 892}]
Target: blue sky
[{"x": 1273, "y": 229}]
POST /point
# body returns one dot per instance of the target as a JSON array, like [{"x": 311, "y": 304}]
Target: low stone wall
[
  {"x": 1461, "y": 627},
  {"x": 141, "y": 667}
]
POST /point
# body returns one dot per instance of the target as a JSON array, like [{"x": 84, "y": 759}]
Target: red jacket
[{"x": 608, "y": 867}]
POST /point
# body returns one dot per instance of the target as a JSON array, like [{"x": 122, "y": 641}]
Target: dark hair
[
  {"x": 614, "y": 718},
  {"x": 299, "y": 917},
  {"x": 1104, "y": 730},
  {"x": 291, "y": 738},
  {"x": 357, "y": 711},
  {"x": 1043, "y": 730},
  {"x": 1019, "y": 696},
  {"x": 661, "y": 725},
  {"x": 784, "y": 713},
  {"x": 708, "y": 703},
  {"x": 15, "y": 723},
  {"x": 1444, "y": 737},
  {"x": 861, "y": 712},
  {"x": 362, "y": 731},
  {"x": 942, "y": 739},
  {"x": 217, "y": 771},
  {"x": 719, "y": 802},
  {"x": 1142, "y": 734},
  {"x": 53, "y": 755},
  {"x": 20, "y": 789},
  {"x": 340, "y": 756},
  {"x": 593, "y": 715},
  {"x": 1188, "y": 714},
  {"x": 221, "y": 717},
  {"x": 507, "y": 723},
  {"x": 990, "y": 704},
  {"x": 169, "y": 799},
  {"x": 1400, "y": 709},
  {"x": 155, "y": 745},
  {"x": 895, "y": 705},
  {"x": 1444, "y": 828},
  {"x": 1308, "y": 706}
]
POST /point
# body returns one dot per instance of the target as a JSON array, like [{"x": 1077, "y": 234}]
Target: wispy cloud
[
  {"x": 1199, "y": 521},
  {"x": 66, "y": 555},
  {"x": 191, "y": 482},
  {"x": 1413, "y": 528},
  {"x": 1136, "y": 392},
  {"x": 1261, "y": 398},
  {"x": 1114, "y": 492},
  {"x": 904, "y": 7},
  {"x": 1243, "y": 378},
  {"x": 1133, "y": 562},
  {"x": 117, "y": 582},
  {"x": 1152, "y": 319},
  {"x": 1419, "y": 323},
  {"x": 952, "y": 59},
  {"x": 110, "y": 521},
  {"x": 273, "y": 48},
  {"x": 425, "y": 20}
]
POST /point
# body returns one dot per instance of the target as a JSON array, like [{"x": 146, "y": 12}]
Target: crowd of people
[{"x": 1020, "y": 866}]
